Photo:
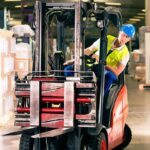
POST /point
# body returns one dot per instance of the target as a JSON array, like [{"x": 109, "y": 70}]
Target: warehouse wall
[{"x": 147, "y": 6}]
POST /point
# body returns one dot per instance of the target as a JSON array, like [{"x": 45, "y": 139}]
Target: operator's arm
[
  {"x": 120, "y": 66},
  {"x": 90, "y": 50},
  {"x": 116, "y": 70},
  {"x": 69, "y": 62}
]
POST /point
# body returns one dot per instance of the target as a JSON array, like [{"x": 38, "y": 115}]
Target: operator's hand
[
  {"x": 96, "y": 57},
  {"x": 68, "y": 62}
]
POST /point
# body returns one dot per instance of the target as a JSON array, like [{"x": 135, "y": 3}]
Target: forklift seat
[
  {"x": 110, "y": 98},
  {"x": 109, "y": 101}
]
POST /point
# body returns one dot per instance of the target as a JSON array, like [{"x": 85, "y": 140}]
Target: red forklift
[{"x": 56, "y": 112}]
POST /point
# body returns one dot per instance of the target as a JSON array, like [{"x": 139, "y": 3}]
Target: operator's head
[{"x": 126, "y": 33}]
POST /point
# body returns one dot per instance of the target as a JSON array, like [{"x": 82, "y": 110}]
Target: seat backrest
[{"x": 109, "y": 102}]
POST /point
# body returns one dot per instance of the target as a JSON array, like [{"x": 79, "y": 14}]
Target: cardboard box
[
  {"x": 3, "y": 85},
  {"x": 6, "y": 41},
  {"x": 3, "y": 45},
  {"x": 7, "y": 108},
  {"x": 7, "y": 84},
  {"x": 7, "y": 102},
  {"x": 142, "y": 31},
  {"x": 7, "y": 63},
  {"x": 23, "y": 67}
]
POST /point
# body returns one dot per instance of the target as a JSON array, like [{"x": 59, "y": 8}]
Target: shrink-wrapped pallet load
[
  {"x": 7, "y": 75},
  {"x": 23, "y": 62}
]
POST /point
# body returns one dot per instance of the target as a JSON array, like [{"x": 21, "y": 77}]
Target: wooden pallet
[{"x": 144, "y": 86}]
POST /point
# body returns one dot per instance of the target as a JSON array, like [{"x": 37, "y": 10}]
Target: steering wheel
[{"x": 89, "y": 59}]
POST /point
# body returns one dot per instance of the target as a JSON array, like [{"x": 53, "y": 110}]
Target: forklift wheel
[
  {"x": 127, "y": 136},
  {"x": 26, "y": 142},
  {"x": 98, "y": 142}
]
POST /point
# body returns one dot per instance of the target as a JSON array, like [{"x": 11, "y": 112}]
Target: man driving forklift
[{"x": 117, "y": 55}]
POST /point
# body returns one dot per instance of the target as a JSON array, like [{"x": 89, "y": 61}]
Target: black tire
[
  {"x": 127, "y": 136},
  {"x": 84, "y": 143},
  {"x": 26, "y": 142},
  {"x": 54, "y": 143},
  {"x": 73, "y": 141},
  {"x": 98, "y": 142}
]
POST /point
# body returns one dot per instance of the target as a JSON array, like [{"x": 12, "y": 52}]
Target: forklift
[{"x": 56, "y": 112}]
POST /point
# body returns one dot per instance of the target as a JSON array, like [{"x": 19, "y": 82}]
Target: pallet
[{"x": 144, "y": 86}]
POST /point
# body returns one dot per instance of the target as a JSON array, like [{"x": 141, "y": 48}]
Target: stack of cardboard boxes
[
  {"x": 137, "y": 65},
  {"x": 7, "y": 75},
  {"x": 15, "y": 58}
]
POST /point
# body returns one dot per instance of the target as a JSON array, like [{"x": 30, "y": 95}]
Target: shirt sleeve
[
  {"x": 96, "y": 44},
  {"x": 125, "y": 60}
]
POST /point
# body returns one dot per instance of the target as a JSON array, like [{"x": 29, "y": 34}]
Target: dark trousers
[{"x": 110, "y": 77}]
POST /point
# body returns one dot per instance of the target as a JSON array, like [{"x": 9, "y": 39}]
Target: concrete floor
[
  {"x": 138, "y": 120},
  {"x": 139, "y": 116}
]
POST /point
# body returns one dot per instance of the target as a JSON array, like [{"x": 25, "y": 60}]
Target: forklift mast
[{"x": 60, "y": 10}]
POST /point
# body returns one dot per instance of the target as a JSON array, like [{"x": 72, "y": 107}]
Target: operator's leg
[
  {"x": 110, "y": 78},
  {"x": 68, "y": 70}
]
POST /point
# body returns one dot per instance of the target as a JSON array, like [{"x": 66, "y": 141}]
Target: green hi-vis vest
[{"x": 115, "y": 57}]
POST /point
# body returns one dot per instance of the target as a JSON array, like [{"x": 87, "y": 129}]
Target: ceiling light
[
  {"x": 141, "y": 14},
  {"x": 129, "y": 22},
  {"x": 10, "y": 19},
  {"x": 99, "y": 1},
  {"x": 12, "y": 0},
  {"x": 139, "y": 17},
  {"x": 114, "y": 4},
  {"x": 85, "y": 0},
  {"x": 19, "y": 6},
  {"x": 134, "y": 19},
  {"x": 14, "y": 22}
]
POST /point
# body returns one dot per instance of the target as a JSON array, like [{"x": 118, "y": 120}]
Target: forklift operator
[{"x": 117, "y": 55}]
